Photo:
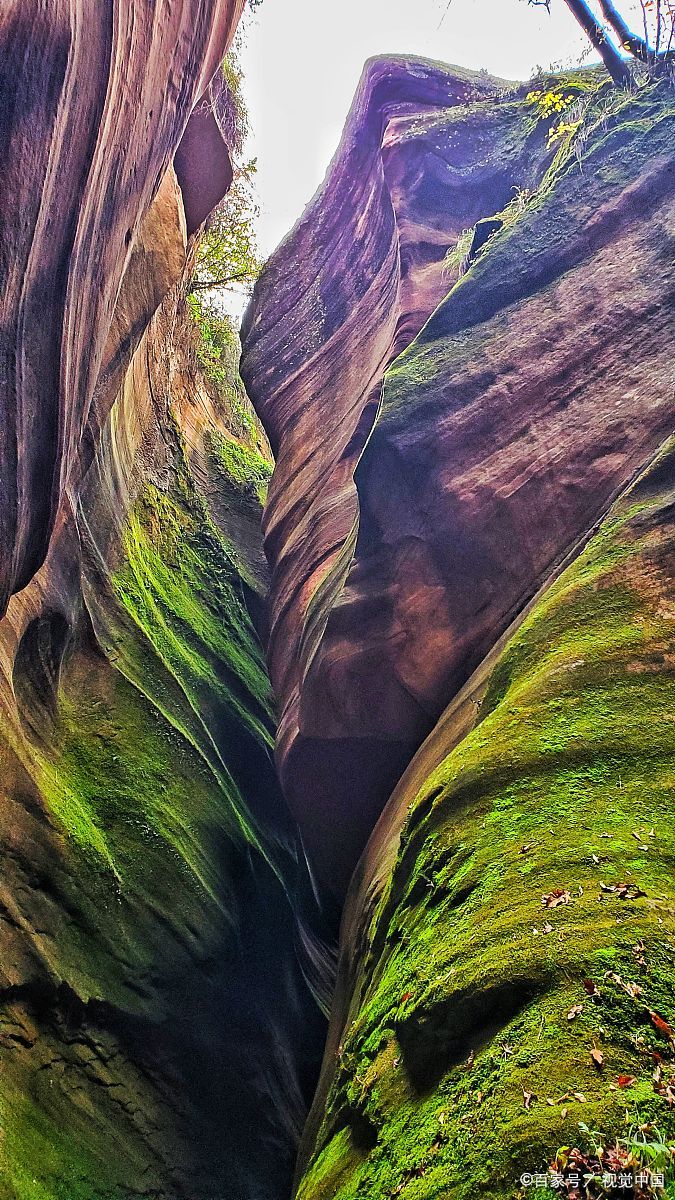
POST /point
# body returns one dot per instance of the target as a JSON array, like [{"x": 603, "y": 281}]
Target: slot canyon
[{"x": 337, "y": 693}]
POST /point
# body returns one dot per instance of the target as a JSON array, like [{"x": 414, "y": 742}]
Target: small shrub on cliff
[
  {"x": 552, "y": 103},
  {"x": 217, "y": 344},
  {"x": 227, "y": 253},
  {"x": 217, "y": 350}
]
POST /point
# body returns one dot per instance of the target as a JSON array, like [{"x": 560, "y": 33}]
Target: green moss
[
  {"x": 192, "y": 675},
  {"x": 155, "y": 779},
  {"x": 40, "y": 1160},
  {"x": 565, "y": 782},
  {"x": 619, "y": 136},
  {"x": 242, "y": 465}
]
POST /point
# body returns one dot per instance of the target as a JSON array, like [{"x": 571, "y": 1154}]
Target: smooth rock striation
[{"x": 94, "y": 102}]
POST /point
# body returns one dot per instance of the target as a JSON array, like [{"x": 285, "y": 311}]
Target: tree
[
  {"x": 653, "y": 48},
  {"x": 226, "y": 256},
  {"x": 227, "y": 253}
]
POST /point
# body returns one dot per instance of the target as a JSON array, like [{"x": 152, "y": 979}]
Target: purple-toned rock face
[
  {"x": 403, "y": 540},
  {"x": 95, "y": 100}
]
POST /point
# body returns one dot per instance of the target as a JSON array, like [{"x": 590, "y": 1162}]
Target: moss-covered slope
[
  {"x": 516, "y": 977},
  {"x": 156, "y": 1033}
]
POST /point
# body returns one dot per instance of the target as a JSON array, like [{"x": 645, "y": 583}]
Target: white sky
[{"x": 302, "y": 60}]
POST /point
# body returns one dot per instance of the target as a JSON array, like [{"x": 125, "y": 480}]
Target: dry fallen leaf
[
  {"x": 590, "y": 987},
  {"x": 563, "y": 1113},
  {"x": 625, "y": 1081},
  {"x": 405, "y": 997},
  {"x": 528, "y": 1097},
  {"x": 625, "y": 891},
  {"x": 547, "y": 927},
  {"x": 632, "y": 989},
  {"x": 580, "y": 1097},
  {"x": 662, "y": 1026},
  {"x": 598, "y": 1058},
  {"x": 528, "y": 846},
  {"x": 555, "y": 898},
  {"x": 574, "y": 1011}
]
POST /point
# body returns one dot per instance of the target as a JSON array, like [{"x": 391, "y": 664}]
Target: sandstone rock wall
[
  {"x": 467, "y": 1013},
  {"x": 471, "y": 541},
  {"x": 157, "y": 1033},
  {"x": 95, "y": 101},
  {"x": 402, "y": 546}
]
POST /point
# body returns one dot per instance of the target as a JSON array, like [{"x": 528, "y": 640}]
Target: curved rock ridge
[
  {"x": 95, "y": 100},
  {"x": 508, "y": 918},
  {"x": 402, "y": 547}
]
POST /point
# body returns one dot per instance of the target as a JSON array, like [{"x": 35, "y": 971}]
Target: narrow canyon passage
[{"x": 366, "y": 639}]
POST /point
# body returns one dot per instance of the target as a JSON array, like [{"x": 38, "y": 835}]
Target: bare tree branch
[
  {"x": 204, "y": 285},
  {"x": 637, "y": 45},
  {"x": 597, "y": 34}
]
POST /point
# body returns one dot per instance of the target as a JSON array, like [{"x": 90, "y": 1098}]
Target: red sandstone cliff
[
  {"x": 155, "y": 1027},
  {"x": 403, "y": 543},
  {"x": 96, "y": 100}
]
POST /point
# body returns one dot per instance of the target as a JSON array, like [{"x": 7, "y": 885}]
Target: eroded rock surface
[
  {"x": 157, "y": 1033},
  {"x": 157, "y": 1030},
  {"x": 95, "y": 101},
  {"x": 402, "y": 546}
]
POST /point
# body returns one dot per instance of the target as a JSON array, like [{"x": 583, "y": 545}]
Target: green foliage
[
  {"x": 227, "y": 253},
  {"x": 549, "y": 103},
  {"x": 217, "y": 346},
  {"x": 233, "y": 76},
  {"x": 552, "y": 103},
  {"x": 217, "y": 349},
  {"x": 454, "y": 262}
]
